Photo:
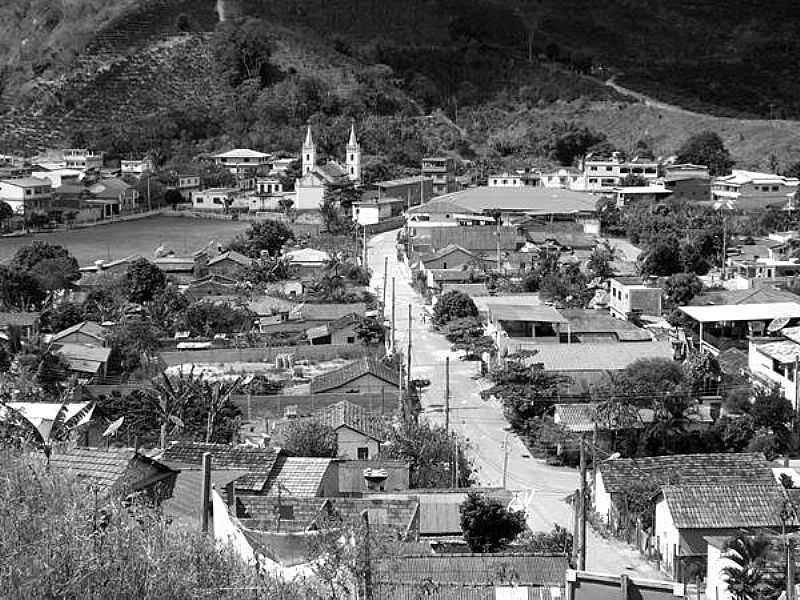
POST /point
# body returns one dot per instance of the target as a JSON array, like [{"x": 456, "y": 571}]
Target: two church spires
[{"x": 352, "y": 155}]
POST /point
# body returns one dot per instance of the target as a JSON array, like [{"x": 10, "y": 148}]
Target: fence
[
  {"x": 256, "y": 355},
  {"x": 273, "y": 407}
]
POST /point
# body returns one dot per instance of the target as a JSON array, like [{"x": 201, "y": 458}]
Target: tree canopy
[
  {"x": 453, "y": 305},
  {"x": 50, "y": 264},
  {"x": 269, "y": 236},
  {"x": 706, "y": 148},
  {"x": 489, "y": 526},
  {"x": 309, "y": 437},
  {"x": 242, "y": 51},
  {"x": 144, "y": 280}
]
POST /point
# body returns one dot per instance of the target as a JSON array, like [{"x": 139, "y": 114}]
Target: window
[
  {"x": 494, "y": 181},
  {"x": 775, "y": 188},
  {"x": 608, "y": 169},
  {"x": 363, "y": 453},
  {"x": 286, "y": 512},
  {"x": 352, "y": 158},
  {"x": 28, "y": 192},
  {"x": 505, "y": 181},
  {"x": 198, "y": 200},
  {"x": 352, "y": 171},
  {"x": 351, "y": 339},
  {"x": 444, "y": 265},
  {"x": 308, "y": 157}
]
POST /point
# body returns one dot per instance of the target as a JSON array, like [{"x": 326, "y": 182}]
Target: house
[
  {"x": 731, "y": 325},
  {"x": 627, "y": 195},
  {"x": 366, "y": 374},
  {"x": 119, "y": 472},
  {"x": 85, "y": 333},
  {"x": 303, "y": 477},
  {"x": 244, "y": 164},
  {"x": 85, "y": 359},
  {"x": 525, "y": 323},
  {"x": 604, "y": 172},
  {"x": 213, "y": 198},
  {"x": 477, "y": 206},
  {"x": 339, "y": 332},
  {"x": 526, "y": 178},
  {"x": 451, "y": 256},
  {"x": 593, "y": 327},
  {"x": 686, "y": 515},
  {"x": 228, "y": 264},
  {"x": 315, "y": 179},
  {"x": 617, "y": 476},
  {"x": 582, "y": 417},
  {"x": 378, "y": 210},
  {"x": 82, "y": 158},
  {"x": 256, "y": 464},
  {"x": 307, "y": 262},
  {"x": 774, "y": 362},
  {"x": 480, "y": 240},
  {"x": 325, "y": 313},
  {"x": 689, "y": 182},
  {"x": 360, "y": 477},
  {"x": 442, "y": 172},
  {"x": 114, "y": 195},
  {"x": 631, "y": 296},
  {"x": 209, "y": 286},
  {"x": 136, "y": 167},
  {"x": 184, "y": 505},
  {"x": 461, "y": 576},
  {"x": 440, "y": 281},
  {"x": 268, "y": 186},
  {"x": 750, "y": 190},
  {"x": 27, "y": 322},
  {"x": 411, "y": 190},
  {"x": 187, "y": 183},
  {"x": 27, "y": 195},
  {"x": 59, "y": 177},
  {"x": 566, "y": 178},
  {"x": 359, "y": 433}
]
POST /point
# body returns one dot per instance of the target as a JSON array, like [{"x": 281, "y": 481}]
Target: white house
[
  {"x": 776, "y": 362},
  {"x": 628, "y": 295},
  {"x": 187, "y": 183},
  {"x": 213, "y": 198},
  {"x": 511, "y": 179},
  {"x": 269, "y": 185},
  {"x": 58, "y": 177},
  {"x": 241, "y": 161},
  {"x": 747, "y": 190},
  {"x": 135, "y": 167},
  {"x": 82, "y": 158},
  {"x": 625, "y": 195},
  {"x": 607, "y": 172},
  {"x": 26, "y": 194},
  {"x": 567, "y": 178}
]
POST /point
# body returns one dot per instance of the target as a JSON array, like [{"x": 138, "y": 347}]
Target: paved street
[{"x": 482, "y": 423}]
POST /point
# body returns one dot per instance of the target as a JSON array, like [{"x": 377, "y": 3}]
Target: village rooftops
[
  {"x": 88, "y": 328},
  {"x": 725, "y": 505},
  {"x": 104, "y": 467},
  {"x": 742, "y": 312},
  {"x": 354, "y": 370},
  {"x": 524, "y": 312},
  {"x": 297, "y": 476},
  {"x": 401, "y": 181},
  {"x": 761, "y": 295},
  {"x": 687, "y": 470},
  {"x": 582, "y": 417},
  {"x": 599, "y": 356},
  {"x": 525, "y": 200},
  {"x": 783, "y": 351},
  {"x": 232, "y": 255},
  {"x": 330, "y": 312}
]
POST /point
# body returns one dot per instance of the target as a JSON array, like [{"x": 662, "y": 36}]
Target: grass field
[{"x": 118, "y": 240}]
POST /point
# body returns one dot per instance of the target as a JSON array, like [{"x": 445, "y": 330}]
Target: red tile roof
[{"x": 725, "y": 506}]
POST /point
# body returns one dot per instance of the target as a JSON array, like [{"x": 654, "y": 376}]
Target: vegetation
[
  {"x": 706, "y": 148},
  {"x": 747, "y": 575},
  {"x": 309, "y": 437},
  {"x": 453, "y": 305},
  {"x": 556, "y": 541},
  {"x": 264, "y": 236},
  {"x": 144, "y": 280},
  {"x": 487, "y": 524}
]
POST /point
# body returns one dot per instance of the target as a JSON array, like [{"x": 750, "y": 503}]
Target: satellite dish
[
  {"x": 778, "y": 324},
  {"x": 112, "y": 429}
]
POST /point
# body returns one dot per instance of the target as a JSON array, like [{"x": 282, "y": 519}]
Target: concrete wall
[
  {"x": 352, "y": 482},
  {"x": 349, "y": 442},
  {"x": 668, "y": 537},
  {"x": 602, "y": 499},
  {"x": 220, "y": 356}
]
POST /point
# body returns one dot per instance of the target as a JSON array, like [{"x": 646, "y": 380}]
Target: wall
[
  {"x": 648, "y": 301},
  {"x": 602, "y": 499},
  {"x": 273, "y": 407},
  {"x": 220, "y": 356},
  {"x": 452, "y": 260},
  {"x": 668, "y": 538},
  {"x": 595, "y": 586},
  {"x": 352, "y": 482},
  {"x": 716, "y": 581},
  {"x": 350, "y": 441}
]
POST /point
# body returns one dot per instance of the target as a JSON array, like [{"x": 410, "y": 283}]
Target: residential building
[
  {"x": 594, "y": 327},
  {"x": 604, "y": 172},
  {"x": 27, "y": 195},
  {"x": 59, "y": 177},
  {"x": 413, "y": 190},
  {"x": 306, "y": 262},
  {"x": 115, "y": 195},
  {"x": 82, "y": 159},
  {"x": 340, "y": 332},
  {"x": 451, "y": 256},
  {"x": 117, "y": 472},
  {"x": 87, "y": 360},
  {"x": 242, "y": 162},
  {"x": 324, "y": 313},
  {"x": 525, "y": 323},
  {"x": 281, "y": 165},
  {"x": 187, "y": 183},
  {"x": 361, "y": 477},
  {"x": 566, "y": 178},
  {"x": 87, "y": 332},
  {"x": 774, "y": 362},
  {"x": 364, "y": 375},
  {"x": 27, "y": 322},
  {"x": 228, "y": 264},
  {"x": 442, "y": 171},
  {"x": 268, "y": 185},
  {"x": 686, "y": 515},
  {"x": 315, "y": 179},
  {"x": 377, "y": 210},
  {"x": 750, "y": 190},
  {"x": 484, "y": 240},
  {"x": 523, "y": 179},
  {"x": 625, "y": 196},
  {"x": 689, "y": 182},
  {"x": 630, "y": 296},
  {"x": 213, "y": 198},
  {"x": 211, "y": 285},
  {"x": 136, "y": 167}
]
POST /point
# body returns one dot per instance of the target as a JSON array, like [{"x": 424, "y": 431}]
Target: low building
[
  {"x": 213, "y": 198},
  {"x": 82, "y": 158},
  {"x": 377, "y": 210},
  {"x": 339, "y": 332},
  {"x": 584, "y": 585},
  {"x": 307, "y": 262},
  {"x": 625, "y": 196},
  {"x": 360, "y": 477},
  {"x": 27, "y": 195},
  {"x": 565, "y": 178},
  {"x": 689, "y": 182},
  {"x": 631, "y": 296},
  {"x": 605, "y": 172},
  {"x": 774, "y": 362},
  {"x": 525, "y": 323},
  {"x": 59, "y": 177},
  {"x": 512, "y": 179},
  {"x": 188, "y": 183},
  {"x": 228, "y": 264},
  {"x": 115, "y": 195},
  {"x": 242, "y": 162},
  {"x": 451, "y": 256},
  {"x": 411, "y": 190},
  {"x": 750, "y": 190},
  {"x": 442, "y": 172},
  {"x": 593, "y": 327},
  {"x": 364, "y": 375},
  {"x": 27, "y": 322},
  {"x": 268, "y": 186},
  {"x": 117, "y": 472},
  {"x": 87, "y": 333},
  {"x": 84, "y": 359},
  {"x": 136, "y": 167},
  {"x": 212, "y": 285}
]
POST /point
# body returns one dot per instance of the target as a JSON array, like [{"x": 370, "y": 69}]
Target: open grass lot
[{"x": 118, "y": 240}]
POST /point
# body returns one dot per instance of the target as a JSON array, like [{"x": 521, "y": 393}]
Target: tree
[
  {"x": 132, "y": 341},
  {"x": 601, "y": 259},
  {"x": 269, "y": 236},
  {"x": 61, "y": 317},
  {"x": 745, "y": 577},
  {"x": 706, "y": 148},
  {"x": 702, "y": 374},
  {"x": 680, "y": 288},
  {"x": 241, "y": 50},
  {"x": 569, "y": 141},
  {"x": 144, "y": 280},
  {"x": 333, "y": 215},
  {"x": 19, "y": 290},
  {"x": 6, "y": 213},
  {"x": 52, "y": 265},
  {"x": 216, "y": 396},
  {"x": 430, "y": 451},
  {"x": 771, "y": 409},
  {"x": 663, "y": 258},
  {"x": 370, "y": 331},
  {"x": 488, "y": 526},
  {"x": 309, "y": 437},
  {"x": 266, "y": 270},
  {"x": 167, "y": 400},
  {"x": 453, "y": 305},
  {"x": 556, "y": 541},
  {"x": 173, "y": 197}
]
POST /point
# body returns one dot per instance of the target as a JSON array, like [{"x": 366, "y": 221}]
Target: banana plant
[{"x": 169, "y": 397}]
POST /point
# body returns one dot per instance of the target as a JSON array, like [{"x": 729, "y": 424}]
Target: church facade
[{"x": 315, "y": 179}]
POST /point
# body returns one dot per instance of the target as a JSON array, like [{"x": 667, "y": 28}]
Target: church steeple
[
  {"x": 309, "y": 153},
  {"x": 353, "y": 157}
]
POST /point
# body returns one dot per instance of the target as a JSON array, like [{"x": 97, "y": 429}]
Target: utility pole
[
  {"x": 408, "y": 386},
  {"x": 455, "y": 462},
  {"x": 205, "y": 490},
  {"x": 790, "y": 595},
  {"x": 385, "y": 280},
  {"x": 367, "y": 560},
  {"x": 582, "y": 547},
  {"x": 394, "y": 339},
  {"x": 364, "y": 264},
  {"x": 505, "y": 459},
  {"x": 576, "y": 526},
  {"x": 447, "y": 394}
]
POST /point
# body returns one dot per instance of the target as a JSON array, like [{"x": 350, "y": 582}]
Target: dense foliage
[
  {"x": 264, "y": 236},
  {"x": 453, "y": 305},
  {"x": 310, "y": 437},
  {"x": 487, "y": 524}
]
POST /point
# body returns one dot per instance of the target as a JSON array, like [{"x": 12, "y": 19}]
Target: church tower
[
  {"x": 353, "y": 157},
  {"x": 309, "y": 153}
]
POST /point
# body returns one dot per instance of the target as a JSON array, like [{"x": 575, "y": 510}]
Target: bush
[
  {"x": 489, "y": 526},
  {"x": 453, "y": 305}
]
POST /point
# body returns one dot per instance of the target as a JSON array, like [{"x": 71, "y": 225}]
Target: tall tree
[
  {"x": 706, "y": 148},
  {"x": 487, "y": 524},
  {"x": 309, "y": 437},
  {"x": 453, "y": 305},
  {"x": 144, "y": 280},
  {"x": 52, "y": 265},
  {"x": 269, "y": 236}
]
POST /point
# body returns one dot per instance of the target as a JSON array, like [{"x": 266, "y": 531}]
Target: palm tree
[
  {"x": 169, "y": 397},
  {"x": 216, "y": 396},
  {"x": 745, "y": 577}
]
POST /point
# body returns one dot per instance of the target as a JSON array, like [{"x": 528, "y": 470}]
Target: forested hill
[{"x": 133, "y": 75}]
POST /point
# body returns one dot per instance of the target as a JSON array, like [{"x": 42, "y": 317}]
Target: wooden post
[
  {"x": 205, "y": 491},
  {"x": 505, "y": 459},
  {"x": 408, "y": 385},
  {"x": 790, "y": 595},
  {"x": 394, "y": 349},
  {"x": 582, "y": 555},
  {"x": 624, "y": 583},
  {"x": 447, "y": 394},
  {"x": 576, "y": 518},
  {"x": 385, "y": 280}
]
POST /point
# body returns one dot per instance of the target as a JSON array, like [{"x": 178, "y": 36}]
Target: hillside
[{"x": 139, "y": 75}]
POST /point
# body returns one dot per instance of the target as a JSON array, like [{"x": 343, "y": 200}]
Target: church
[{"x": 315, "y": 179}]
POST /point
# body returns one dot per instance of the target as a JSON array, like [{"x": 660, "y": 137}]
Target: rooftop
[
  {"x": 241, "y": 153},
  {"x": 89, "y": 328},
  {"x": 297, "y": 476},
  {"x": 783, "y": 351},
  {"x": 330, "y": 312},
  {"x": 529, "y": 200},
  {"x": 525, "y": 312},
  {"x": 582, "y": 417},
  {"x": 26, "y": 182},
  {"x": 593, "y": 321},
  {"x": 741, "y": 177},
  {"x": 307, "y": 255},
  {"x": 724, "y": 506},
  {"x": 761, "y": 295},
  {"x": 687, "y": 470},
  {"x": 597, "y": 357},
  {"x": 231, "y": 255},
  {"x": 742, "y": 312},
  {"x": 401, "y": 181},
  {"x": 103, "y": 467},
  {"x": 447, "y": 250}
]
